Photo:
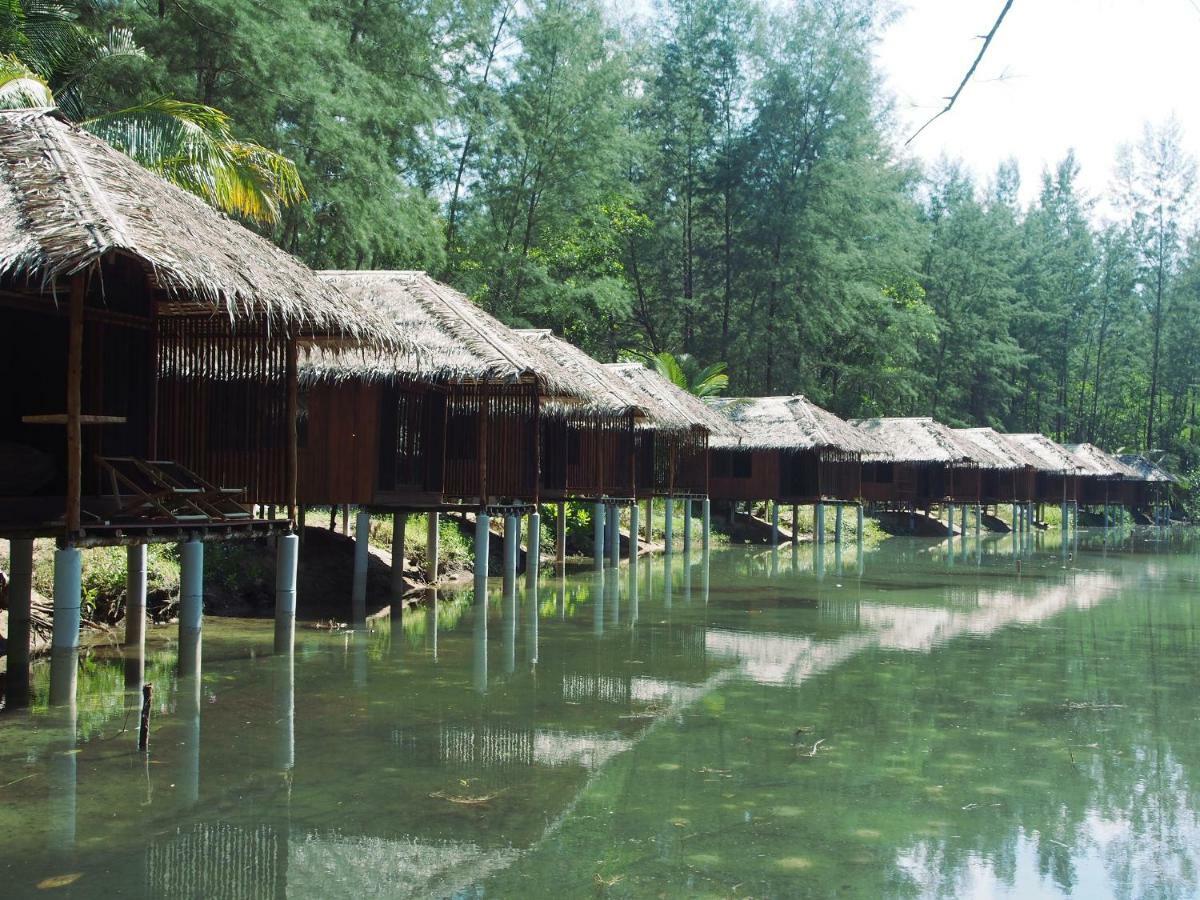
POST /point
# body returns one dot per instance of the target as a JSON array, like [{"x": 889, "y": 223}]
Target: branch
[{"x": 987, "y": 40}]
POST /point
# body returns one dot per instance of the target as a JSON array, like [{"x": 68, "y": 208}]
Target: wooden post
[
  {"x": 291, "y": 463},
  {"x": 74, "y": 404},
  {"x": 144, "y": 722}
]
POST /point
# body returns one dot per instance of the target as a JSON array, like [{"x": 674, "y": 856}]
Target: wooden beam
[
  {"x": 291, "y": 461},
  {"x": 74, "y": 404}
]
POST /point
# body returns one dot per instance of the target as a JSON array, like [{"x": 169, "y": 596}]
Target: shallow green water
[{"x": 967, "y": 727}]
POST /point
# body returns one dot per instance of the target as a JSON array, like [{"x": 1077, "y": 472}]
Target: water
[{"x": 900, "y": 723}]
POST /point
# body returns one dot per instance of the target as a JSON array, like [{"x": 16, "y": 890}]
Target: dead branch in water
[{"x": 481, "y": 800}]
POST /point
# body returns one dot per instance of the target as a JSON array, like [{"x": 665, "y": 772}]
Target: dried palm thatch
[
  {"x": 920, "y": 439},
  {"x": 1096, "y": 463},
  {"x": 1146, "y": 470},
  {"x": 791, "y": 423},
  {"x": 616, "y": 392},
  {"x": 1050, "y": 456},
  {"x": 1000, "y": 445},
  {"x": 460, "y": 343},
  {"x": 67, "y": 200},
  {"x": 667, "y": 402}
]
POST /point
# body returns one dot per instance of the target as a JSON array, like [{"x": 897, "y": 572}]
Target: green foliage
[
  {"x": 104, "y": 573},
  {"x": 683, "y": 371}
]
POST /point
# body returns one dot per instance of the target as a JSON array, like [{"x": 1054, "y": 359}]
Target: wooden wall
[{"x": 339, "y": 443}]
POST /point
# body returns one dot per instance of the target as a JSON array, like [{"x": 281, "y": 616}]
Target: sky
[{"x": 1061, "y": 74}]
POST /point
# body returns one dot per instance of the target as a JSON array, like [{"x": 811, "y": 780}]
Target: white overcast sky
[{"x": 1061, "y": 74}]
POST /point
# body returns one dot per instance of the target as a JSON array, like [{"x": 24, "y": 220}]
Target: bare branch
[{"x": 987, "y": 40}]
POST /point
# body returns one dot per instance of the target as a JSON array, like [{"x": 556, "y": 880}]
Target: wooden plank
[
  {"x": 64, "y": 419},
  {"x": 74, "y": 404}
]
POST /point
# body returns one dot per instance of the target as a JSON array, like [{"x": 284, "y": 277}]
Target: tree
[{"x": 684, "y": 372}]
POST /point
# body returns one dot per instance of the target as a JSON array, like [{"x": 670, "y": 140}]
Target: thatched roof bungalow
[
  {"x": 1103, "y": 478},
  {"x": 1016, "y": 484},
  {"x": 150, "y": 327},
  {"x": 673, "y": 454},
  {"x": 1151, "y": 485},
  {"x": 927, "y": 462},
  {"x": 458, "y": 425},
  {"x": 789, "y": 450}
]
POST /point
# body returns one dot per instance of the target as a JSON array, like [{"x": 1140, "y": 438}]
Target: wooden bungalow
[
  {"x": 1057, "y": 478},
  {"x": 790, "y": 450},
  {"x": 926, "y": 462},
  {"x": 673, "y": 455},
  {"x": 148, "y": 347},
  {"x": 457, "y": 427},
  {"x": 589, "y": 452},
  {"x": 1103, "y": 479},
  {"x": 1153, "y": 487},
  {"x": 1014, "y": 485}
]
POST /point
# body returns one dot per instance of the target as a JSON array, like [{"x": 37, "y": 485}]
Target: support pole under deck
[
  {"x": 533, "y": 552},
  {"x": 135, "y": 615},
  {"x": 191, "y": 602},
  {"x": 358, "y": 594},
  {"x": 287, "y": 561},
  {"x": 20, "y": 615},
  {"x": 706, "y": 526},
  {"x": 482, "y": 550},
  {"x": 598, "y": 534},
  {"x": 819, "y": 520},
  {"x": 634, "y": 537},
  {"x": 687, "y": 528},
  {"x": 433, "y": 544},
  {"x": 399, "y": 525},
  {"x": 612, "y": 522},
  {"x": 837, "y": 526},
  {"x": 669, "y": 525}
]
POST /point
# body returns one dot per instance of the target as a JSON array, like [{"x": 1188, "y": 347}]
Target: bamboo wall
[
  {"x": 339, "y": 437},
  {"x": 586, "y": 455}
]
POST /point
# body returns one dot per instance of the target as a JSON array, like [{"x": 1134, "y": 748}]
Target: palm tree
[
  {"x": 188, "y": 144},
  {"x": 684, "y": 372}
]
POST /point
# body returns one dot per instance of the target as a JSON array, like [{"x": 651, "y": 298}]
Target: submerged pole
[
  {"x": 687, "y": 527},
  {"x": 433, "y": 544},
  {"x": 950, "y": 519},
  {"x": 191, "y": 603},
  {"x": 399, "y": 525},
  {"x": 135, "y": 615},
  {"x": 511, "y": 525},
  {"x": 613, "y": 521},
  {"x": 560, "y": 533},
  {"x": 706, "y": 526},
  {"x": 774, "y": 523},
  {"x": 598, "y": 534},
  {"x": 362, "y": 537},
  {"x": 634, "y": 535},
  {"x": 669, "y": 525},
  {"x": 482, "y": 548},
  {"x": 287, "y": 560},
  {"x": 533, "y": 551},
  {"x": 819, "y": 525},
  {"x": 837, "y": 526},
  {"x": 20, "y": 616}
]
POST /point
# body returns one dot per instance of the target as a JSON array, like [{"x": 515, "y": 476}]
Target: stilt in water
[
  {"x": 399, "y": 525},
  {"x": 191, "y": 604},
  {"x": 669, "y": 525},
  {"x": 560, "y": 533},
  {"x": 1016, "y": 518},
  {"x": 706, "y": 526},
  {"x": 358, "y": 596},
  {"x": 287, "y": 560},
  {"x": 433, "y": 544},
  {"x": 482, "y": 548},
  {"x": 135, "y": 615},
  {"x": 819, "y": 518},
  {"x": 774, "y": 523},
  {"x": 649, "y": 520},
  {"x": 837, "y": 526},
  {"x": 511, "y": 525},
  {"x": 950, "y": 519},
  {"x": 634, "y": 536},
  {"x": 795, "y": 523},
  {"x": 598, "y": 534},
  {"x": 533, "y": 550},
  {"x": 687, "y": 528},
  {"x": 613, "y": 521},
  {"x": 963, "y": 520},
  {"x": 978, "y": 520},
  {"x": 20, "y": 615}
]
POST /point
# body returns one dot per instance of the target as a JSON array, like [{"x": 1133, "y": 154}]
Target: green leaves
[
  {"x": 684, "y": 372},
  {"x": 21, "y": 87}
]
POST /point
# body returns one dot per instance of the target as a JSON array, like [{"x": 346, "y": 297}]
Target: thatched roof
[
  {"x": 459, "y": 341},
  {"x": 67, "y": 199},
  {"x": 603, "y": 382},
  {"x": 1097, "y": 463},
  {"x": 1000, "y": 445},
  {"x": 664, "y": 401},
  {"x": 1051, "y": 456},
  {"x": 919, "y": 439},
  {"x": 791, "y": 423},
  {"x": 1146, "y": 470}
]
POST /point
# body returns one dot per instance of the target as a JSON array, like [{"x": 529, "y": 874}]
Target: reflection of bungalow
[
  {"x": 789, "y": 450},
  {"x": 925, "y": 462},
  {"x": 148, "y": 347}
]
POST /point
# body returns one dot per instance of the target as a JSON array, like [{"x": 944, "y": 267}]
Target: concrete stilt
[
  {"x": 978, "y": 519},
  {"x": 795, "y": 523},
  {"x": 687, "y": 528},
  {"x": 706, "y": 526},
  {"x": 433, "y": 545},
  {"x": 560, "y": 533},
  {"x": 511, "y": 527},
  {"x": 20, "y": 629},
  {"x": 837, "y": 526},
  {"x": 533, "y": 550},
  {"x": 482, "y": 549},
  {"x": 598, "y": 535},
  {"x": 135, "y": 615},
  {"x": 859, "y": 522},
  {"x": 963, "y": 520},
  {"x": 819, "y": 527},
  {"x": 774, "y": 523},
  {"x": 669, "y": 525},
  {"x": 358, "y": 594},
  {"x": 191, "y": 603},
  {"x": 950, "y": 519},
  {"x": 1016, "y": 517},
  {"x": 287, "y": 561},
  {"x": 649, "y": 520},
  {"x": 634, "y": 535},
  {"x": 68, "y": 592},
  {"x": 399, "y": 525},
  {"x": 613, "y": 540}
]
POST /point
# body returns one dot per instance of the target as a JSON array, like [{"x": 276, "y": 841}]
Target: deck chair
[
  {"x": 140, "y": 494},
  {"x": 218, "y": 502}
]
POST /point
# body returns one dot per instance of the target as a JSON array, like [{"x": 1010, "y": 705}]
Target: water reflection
[{"x": 944, "y": 732}]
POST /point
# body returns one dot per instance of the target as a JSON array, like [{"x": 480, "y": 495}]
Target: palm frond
[
  {"x": 21, "y": 87},
  {"x": 42, "y": 34},
  {"x": 667, "y": 365}
]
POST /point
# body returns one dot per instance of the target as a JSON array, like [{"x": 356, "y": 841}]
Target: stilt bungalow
[
  {"x": 926, "y": 463},
  {"x": 1154, "y": 488},
  {"x": 1057, "y": 478},
  {"x": 790, "y": 451},
  {"x": 149, "y": 348},
  {"x": 1104, "y": 480},
  {"x": 1015, "y": 485}
]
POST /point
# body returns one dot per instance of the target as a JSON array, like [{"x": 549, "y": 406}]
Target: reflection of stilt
[
  {"x": 613, "y": 596},
  {"x": 598, "y": 602},
  {"x": 431, "y": 622},
  {"x": 62, "y": 777},
  {"x": 188, "y": 710},
  {"x": 819, "y": 559},
  {"x": 285, "y": 711},
  {"x": 358, "y": 657},
  {"x": 633, "y": 589},
  {"x": 667, "y": 582},
  {"x": 775, "y": 561},
  {"x": 20, "y": 613},
  {"x": 480, "y": 656},
  {"x": 509, "y": 624},
  {"x": 705, "y": 560},
  {"x": 531, "y": 636}
]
